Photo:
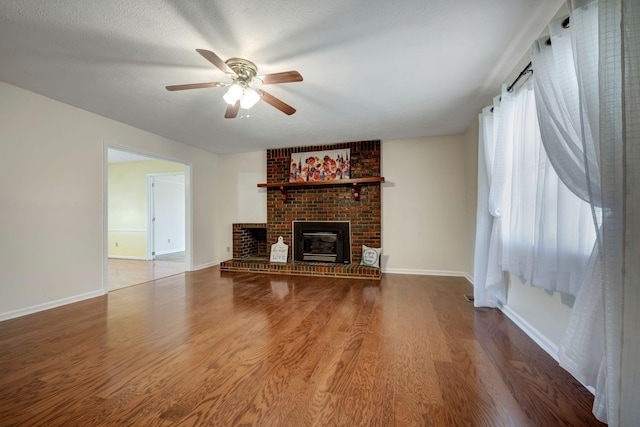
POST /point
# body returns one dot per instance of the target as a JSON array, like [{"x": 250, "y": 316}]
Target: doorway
[
  {"x": 165, "y": 216},
  {"x": 140, "y": 188}
]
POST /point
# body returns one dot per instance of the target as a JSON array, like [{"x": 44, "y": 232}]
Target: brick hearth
[{"x": 296, "y": 268}]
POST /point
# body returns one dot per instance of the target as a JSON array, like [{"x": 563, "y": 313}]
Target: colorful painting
[{"x": 320, "y": 166}]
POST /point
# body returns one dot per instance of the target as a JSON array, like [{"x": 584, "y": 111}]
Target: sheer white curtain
[
  {"x": 567, "y": 137},
  {"x": 619, "y": 55},
  {"x": 528, "y": 222},
  {"x": 588, "y": 95},
  {"x": 548, "y": 233},
  {"x": 490, "y": 282}
]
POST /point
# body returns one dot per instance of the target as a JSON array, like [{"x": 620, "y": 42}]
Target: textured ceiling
[{"x": 372, "y": 69}]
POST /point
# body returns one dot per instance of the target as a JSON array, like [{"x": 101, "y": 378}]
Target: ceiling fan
[{"x": 244, "y": 90}]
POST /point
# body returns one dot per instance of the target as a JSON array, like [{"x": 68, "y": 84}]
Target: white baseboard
[
  {"x": 51, "y": 304},
  {"x": 538, "y": 337},
  {"x": 169, "y": 251},
  {"x": 127, "y": 257},
  {"x": 424, "y": 272},
  {"x": 206, "y": 265}
]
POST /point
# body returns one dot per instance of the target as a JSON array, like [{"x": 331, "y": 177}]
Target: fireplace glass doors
[{"x": 327, "y": 241}]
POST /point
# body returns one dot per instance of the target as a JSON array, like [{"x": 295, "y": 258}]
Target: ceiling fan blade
[
  {"x": 275, "y": 102},
  {"x": 232, "y": 110},
  {"x": 285, "y": 77},
  {"x": 194, "y": 86},
  {"x": 215, "y": 60}
]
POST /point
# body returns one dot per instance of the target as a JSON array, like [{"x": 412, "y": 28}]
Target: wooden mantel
[{"x": 355, "y": 183}]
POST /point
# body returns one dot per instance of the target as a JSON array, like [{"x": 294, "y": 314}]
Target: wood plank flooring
[
  {"x": 205, "y": 349},
  {"x": 128, "y": 272}
]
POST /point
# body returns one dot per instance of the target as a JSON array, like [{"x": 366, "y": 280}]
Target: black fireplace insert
[{"x": 324, "y": 241}]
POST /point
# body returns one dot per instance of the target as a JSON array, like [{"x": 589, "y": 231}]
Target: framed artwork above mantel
[{"x": 313, "y": 166}]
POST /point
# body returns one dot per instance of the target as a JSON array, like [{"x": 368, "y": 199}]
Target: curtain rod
[
  {"x": 524, "y": 72},
  {"x": 566, "y": 23}
]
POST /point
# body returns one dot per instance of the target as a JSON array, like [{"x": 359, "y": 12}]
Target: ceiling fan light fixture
[
  {"x": 233, "y": 94},
  {"x": 249, "y": 98},
  {"x": 244, "y": 89}
]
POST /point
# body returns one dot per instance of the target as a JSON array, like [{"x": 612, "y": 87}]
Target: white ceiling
[{"x": 373, "y": 69}]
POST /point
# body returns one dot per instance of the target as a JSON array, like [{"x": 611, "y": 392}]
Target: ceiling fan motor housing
[{"x": 245, "y": 69}]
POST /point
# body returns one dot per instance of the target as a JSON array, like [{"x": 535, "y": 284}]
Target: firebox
[{"x": 325, "y": 241}]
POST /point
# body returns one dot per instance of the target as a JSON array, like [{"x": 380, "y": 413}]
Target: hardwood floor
[
  {"x": 174, "y": 256},
  {"x": 198, "y": 349},
  {"x": 129, "y": 272}
]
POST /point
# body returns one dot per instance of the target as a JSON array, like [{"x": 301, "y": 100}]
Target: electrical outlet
[
  {"x": 168, "y": 240},
  {"x": 116, "y": 244},
  {"x": 228, "y": 248}
]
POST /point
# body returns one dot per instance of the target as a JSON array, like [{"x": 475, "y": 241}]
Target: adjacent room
[
  {"x": 146, "y": 219},
  {"x": 300, "y": 213}
]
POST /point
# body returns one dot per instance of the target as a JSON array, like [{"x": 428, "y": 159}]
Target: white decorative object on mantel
[{"x": 279, "y": 251}]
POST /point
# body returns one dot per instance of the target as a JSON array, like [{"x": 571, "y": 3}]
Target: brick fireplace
[{"x": 320, "y": 203}]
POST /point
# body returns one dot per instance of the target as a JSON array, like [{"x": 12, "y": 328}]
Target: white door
[{"x": 167, "y": 213}]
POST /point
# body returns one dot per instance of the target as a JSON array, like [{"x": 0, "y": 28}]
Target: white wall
[
  {"x": 424, "y": 206},
  {"x": 240, "y": 198},
  {"x": 545, "y": 311},
  {"x": 127, "y": 210},
  {"x": 51, "y": 198}
]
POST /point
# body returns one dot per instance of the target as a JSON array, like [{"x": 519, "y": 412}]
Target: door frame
[{"x": 188, "y": 201}]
